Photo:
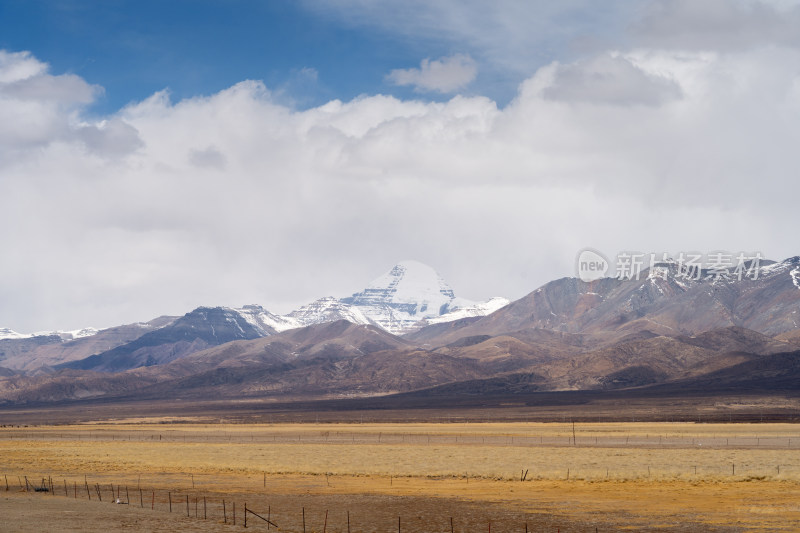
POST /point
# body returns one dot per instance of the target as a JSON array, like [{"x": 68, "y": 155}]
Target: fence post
[
  {"x": 169, "y": 497},
  {"x": 224, "y": 513},
  {"x": 245, "y": 514}
]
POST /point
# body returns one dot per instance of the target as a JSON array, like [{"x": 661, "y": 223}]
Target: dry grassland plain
[{"x": 609, "y": 476}]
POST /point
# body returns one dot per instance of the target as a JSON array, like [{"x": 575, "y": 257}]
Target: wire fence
[{"x": 232, "y": 511}]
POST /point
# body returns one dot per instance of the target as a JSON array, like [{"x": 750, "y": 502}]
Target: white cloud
[
  {"x": 610, "y": 79},
  {"x": 235, "y": 198},
  {"x": 17, "y": 66},
  {"x": 719, "y": 24},
  {"x": 38, "y": 109},
  {"x": 445, "y": 75}
]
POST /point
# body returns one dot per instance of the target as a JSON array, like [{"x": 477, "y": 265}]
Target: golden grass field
[{"x": 674, "y": 476}]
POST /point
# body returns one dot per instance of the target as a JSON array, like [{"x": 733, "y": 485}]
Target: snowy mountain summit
[
  {"x": 408, "y": 296},
  {"x": 410, "y": 292}
]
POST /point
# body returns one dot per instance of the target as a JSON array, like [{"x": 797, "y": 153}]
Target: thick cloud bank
[{"x": 234, "y": 198}]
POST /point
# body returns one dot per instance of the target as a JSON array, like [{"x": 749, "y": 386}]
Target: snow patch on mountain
[
  {"x": 76, "y": 334},
  {"x": 774, "y": 268},
  {"x": 265, "y": 322},
  {"x": 328, "y": 309},
  {"x": 478, "y": 309},
  {"x": 6, "y": 333}
]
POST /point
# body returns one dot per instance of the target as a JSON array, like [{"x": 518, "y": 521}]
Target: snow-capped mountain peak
[
  {"x": 409, "y": 292},
  {"x": 406, "y": 282},
  {"x": 396, "y": 301}
]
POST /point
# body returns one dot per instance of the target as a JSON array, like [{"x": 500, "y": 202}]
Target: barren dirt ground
[{"x": 635, "y": 476}]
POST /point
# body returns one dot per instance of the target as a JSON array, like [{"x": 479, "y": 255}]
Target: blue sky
[
  {"x": 198, "y": 47},
  {"x": 135, "y": 48},
  {"x": 160, "y": 155}
]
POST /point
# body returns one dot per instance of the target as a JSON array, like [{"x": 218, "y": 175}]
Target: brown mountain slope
[
  {"x": 28, "y": 355},
  {"x": 609, "y": 310}
]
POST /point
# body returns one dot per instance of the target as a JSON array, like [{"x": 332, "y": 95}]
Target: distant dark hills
[{"x": 663, "y": 332}]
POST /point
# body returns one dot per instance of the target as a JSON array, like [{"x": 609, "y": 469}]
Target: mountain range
[{"x": 407, "y": 331}]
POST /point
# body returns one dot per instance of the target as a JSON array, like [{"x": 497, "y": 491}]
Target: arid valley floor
[{"x": 406, "y": 476}]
